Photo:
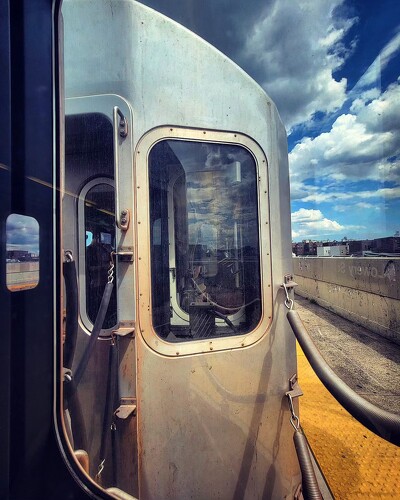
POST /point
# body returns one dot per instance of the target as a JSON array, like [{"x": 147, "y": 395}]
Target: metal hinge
[
  {"x": 124, "y": 328},
  {"x": 294, "y": 392},
  {"x": 127, "y": 407},
  {"x": 122, "y": 124},
  {"x": 125, "y": 254},
  {"x": 287, "y": 285},
  {"x": 288, "y": 281}
]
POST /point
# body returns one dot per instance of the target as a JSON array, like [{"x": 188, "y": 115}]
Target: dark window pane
[
  {"x": 205, "y": 247},
  {"x": 100, "y": 242}
]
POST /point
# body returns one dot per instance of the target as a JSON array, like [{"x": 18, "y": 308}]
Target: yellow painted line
[
  {"x": 355, "y": 462},
  {"x": 22, "y": 286}
]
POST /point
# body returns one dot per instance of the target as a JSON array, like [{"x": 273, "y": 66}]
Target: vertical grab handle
[{"x": 120, "y": 124}]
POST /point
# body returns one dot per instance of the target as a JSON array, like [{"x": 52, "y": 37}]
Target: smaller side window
[
  {"x": 22, "y": 252},
  {"x": 98, "y": 235}
]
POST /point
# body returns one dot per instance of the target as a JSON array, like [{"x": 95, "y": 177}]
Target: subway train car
[
  {"x": 146, "y": 349},
  {"x": 175, "y": 183}
]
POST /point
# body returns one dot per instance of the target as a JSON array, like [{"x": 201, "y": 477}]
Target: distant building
[
  {"x": 332, "y": 251},
  {"x": 359, "y": 246},
  {"x": 306, "y": 247},
  {"x": 390, "y": 244},
  {"x": 21, "y": 256}
]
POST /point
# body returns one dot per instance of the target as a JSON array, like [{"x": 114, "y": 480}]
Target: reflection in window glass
[
  {"x": 205, "y": 246},
  {"x": 89, "y": 238},
  {"x": 22, "y": 252},
  {"x": 100, "y": 242}
]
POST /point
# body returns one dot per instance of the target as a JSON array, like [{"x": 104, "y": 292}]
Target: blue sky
[{"x": 332, "y": 68}]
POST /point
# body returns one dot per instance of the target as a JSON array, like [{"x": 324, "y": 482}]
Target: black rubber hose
[
  {"x": 71, "y": 309},
  {"x": 310, "y": 488},
  {"x": 381, "y": 422},
  {"x": 98, "y": 324},
  {"x": 107, "y": 432}
]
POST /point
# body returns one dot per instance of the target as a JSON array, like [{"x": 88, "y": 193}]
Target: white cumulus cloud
[
  {"x": 310, "y": 223},
  {"x": 361, "y": 144},
  {"x": 295, "y": 47}
]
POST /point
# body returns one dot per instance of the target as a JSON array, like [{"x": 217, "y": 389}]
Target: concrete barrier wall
[
  {"x": 22, "y": 267},
  {"x": 22, "y": 275},
  {"x": 364, "y": 290}
]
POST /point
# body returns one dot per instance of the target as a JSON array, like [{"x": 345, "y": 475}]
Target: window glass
[
  {"x": 205, "y": 263},
  {"x": 100, "y": 242},
  {"x": 22, "y": 252}
]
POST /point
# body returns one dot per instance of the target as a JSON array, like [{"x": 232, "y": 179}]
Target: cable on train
[{"x": 377, "y": 420}]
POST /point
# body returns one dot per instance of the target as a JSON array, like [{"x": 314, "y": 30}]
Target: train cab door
[
  {"x": 198, "y": 232},
  {"x": 98, "y": 221},
  {"x": 213, "y": 366}
]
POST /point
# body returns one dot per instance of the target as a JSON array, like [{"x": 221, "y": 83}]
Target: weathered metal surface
[
  {"x": 215, "y": 424},
  {"x": 223, "y": 417}
]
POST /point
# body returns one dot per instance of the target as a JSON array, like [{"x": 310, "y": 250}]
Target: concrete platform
[{"x": 355, "y": 462}]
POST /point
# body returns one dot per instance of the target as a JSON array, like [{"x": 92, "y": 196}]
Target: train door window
[
  {"x": 22, "y": 252},
  {"x": 205, "y": 251},
  {"x": 97, "y": 242}
]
